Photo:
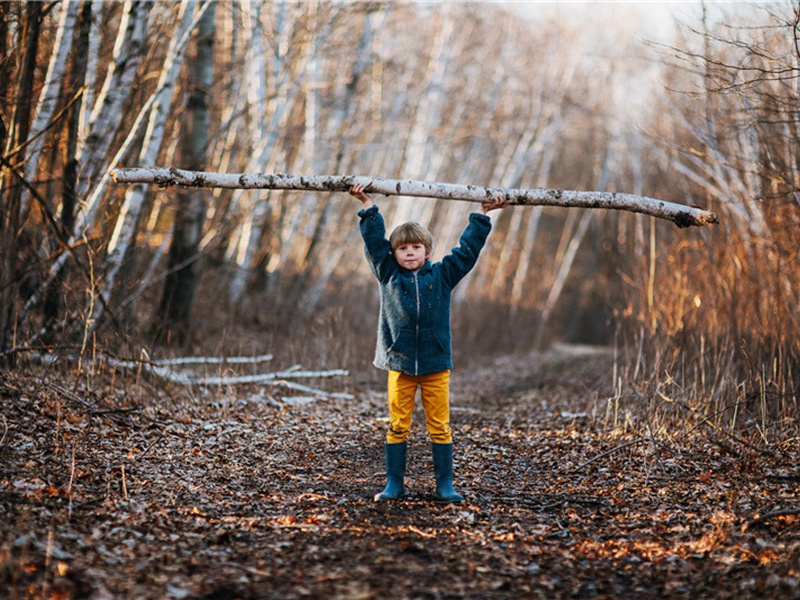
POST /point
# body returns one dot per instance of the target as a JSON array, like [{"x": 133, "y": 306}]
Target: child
[{"x": 414, "y": 333}]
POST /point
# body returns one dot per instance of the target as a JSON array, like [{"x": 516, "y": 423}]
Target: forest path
[{"x": 129, "y": 488}]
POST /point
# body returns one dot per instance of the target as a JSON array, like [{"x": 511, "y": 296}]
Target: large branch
[{"x": 682, "y": 216}]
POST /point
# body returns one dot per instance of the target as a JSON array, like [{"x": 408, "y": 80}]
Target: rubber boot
[
  {"x": 395, "y": 472},
  {"x": 443, "y": 469}
]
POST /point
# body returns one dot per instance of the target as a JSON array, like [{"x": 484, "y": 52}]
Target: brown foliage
[{"x": 113, "y": 485}]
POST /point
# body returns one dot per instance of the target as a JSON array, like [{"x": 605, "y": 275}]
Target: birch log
[{"x": 681, "y": 215}]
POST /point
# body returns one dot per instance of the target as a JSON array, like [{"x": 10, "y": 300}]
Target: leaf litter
[{"x": 117, "y": 485}]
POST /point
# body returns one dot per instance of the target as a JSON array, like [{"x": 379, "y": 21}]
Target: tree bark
[
  {"x": 181, "y": 285},
  {"x": 49, "y": 95},
  {"x": 10, "y": 190},
  {"x": 76, "y": 76},
  {"x": 107, "y": 114},
  {"x": 124, "y": 234},
  {"x": 681, "y": 215}
]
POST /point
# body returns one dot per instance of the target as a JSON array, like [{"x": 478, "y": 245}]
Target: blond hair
[{"x": 411, "y": 233}]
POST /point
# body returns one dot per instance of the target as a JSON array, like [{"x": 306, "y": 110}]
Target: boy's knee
[
  {"x": 397, "y": 435},
  {"x": 440, "y": 433},
  {"x": 441, "y": 437}
]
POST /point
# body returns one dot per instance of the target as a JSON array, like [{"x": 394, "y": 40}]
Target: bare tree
[
  {"x": 75, "y": 78},
  {"x": 181, "y": 284},
  {"x": 128, "y": 219},
  {"x": 49, "y": 94},
  {"x": 12, "y": 177}
]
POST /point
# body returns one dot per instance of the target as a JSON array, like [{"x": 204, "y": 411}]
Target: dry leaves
[{"x": 119, "y": 487}]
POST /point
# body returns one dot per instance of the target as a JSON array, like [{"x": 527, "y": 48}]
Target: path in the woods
[{"x": 224, "y": 495}]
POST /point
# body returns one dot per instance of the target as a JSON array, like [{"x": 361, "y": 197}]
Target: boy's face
[{"x": 411, "y": 256}]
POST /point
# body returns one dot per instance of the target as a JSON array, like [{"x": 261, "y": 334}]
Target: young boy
[{"x": 414, "y": 333}]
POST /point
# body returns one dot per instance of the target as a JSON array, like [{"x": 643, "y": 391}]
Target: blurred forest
[{"x": 467, "y": 93}]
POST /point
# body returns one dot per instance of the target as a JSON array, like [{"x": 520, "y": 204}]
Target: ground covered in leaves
[{"x": 120, "y": 485}]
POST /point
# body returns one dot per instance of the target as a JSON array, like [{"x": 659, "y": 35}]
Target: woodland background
[
  {"x": 702, "y": 324},
  {"x": 469, "y": 93}
]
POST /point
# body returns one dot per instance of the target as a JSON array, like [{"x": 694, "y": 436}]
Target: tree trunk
[
  {"x": 682, "y": 216},
  {"x": 127, "y": 222},
  {"x": 315, "y": 263},
  {"x": 49, "y": 94},
  {"x": 76, "y": 77},
  {"x": 91, "y": 64},
  {"x": 10, "y": 213},
  {"x": 5, "y": 67},
  {"x": 267, "y": 154},
  {"x": 258, "y": 111},
  {"x": 107, "y": 114},
  {"x": 181, "y": 285}
]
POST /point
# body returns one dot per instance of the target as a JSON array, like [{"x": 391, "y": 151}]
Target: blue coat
[{"x": 414, "y": 322}]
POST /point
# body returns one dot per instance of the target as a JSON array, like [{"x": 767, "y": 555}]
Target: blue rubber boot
[
  {"x": 443, "y": 469},
  {"x": 395, "y": 472}
]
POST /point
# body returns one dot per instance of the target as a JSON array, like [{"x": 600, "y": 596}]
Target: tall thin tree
[
  {"x": 12, "y": 177},
  {"x": 181, "y": 284}
]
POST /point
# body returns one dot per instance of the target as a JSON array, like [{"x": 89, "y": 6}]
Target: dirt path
[{"x": 123, "y": 488}]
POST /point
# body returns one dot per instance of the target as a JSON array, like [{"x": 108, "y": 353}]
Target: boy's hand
[
  {"x": 496, "y": 202},
  {"x": 357, "y": 191}
]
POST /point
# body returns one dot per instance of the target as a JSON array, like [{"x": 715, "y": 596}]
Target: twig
[
  {"x": 715, "y": 427},
  {"x": 189, "y": 379},
  {"x": 124, "y": 483},
  {"x": 91, "y": 408},
  {"x": 783, "y": 512},
  {"x": 421, "y": 533},
  {"x": 604, "y": 454},
  {"x": 5, "y": 430},
  {"x": 153, "y": 443},
  {"x": 71, "y": 480},
  {"x": 303, "y": 388},
  {"x": 69, "y": 395}
]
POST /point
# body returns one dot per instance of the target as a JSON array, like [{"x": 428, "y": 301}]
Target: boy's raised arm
[
  {"x": 462, "y": 258},
  {"x": 373, "y": 231}
]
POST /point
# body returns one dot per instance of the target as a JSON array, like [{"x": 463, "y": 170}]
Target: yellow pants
[{"x": 435, "y": 395}]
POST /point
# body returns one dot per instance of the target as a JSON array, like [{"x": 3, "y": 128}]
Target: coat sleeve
[
  {"x": 462, "y": 258},
  {"x": 376, "y": 247}
]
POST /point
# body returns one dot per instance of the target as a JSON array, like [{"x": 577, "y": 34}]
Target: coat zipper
[{"x": 416, "y": 345}]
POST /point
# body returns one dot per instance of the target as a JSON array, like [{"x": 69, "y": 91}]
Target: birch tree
[
  {"x": 483, "y": 103},
  {"x": 49, "y": 94},
  {"x": 337, "y": 128},
  {"x": 257, "y": 107},
  {"x": 266, "y": 155},
  {"x": 85, "y": 219},
  {"x": 107, "y": 112},
  {"x": 181, "y": 284},
  {"x": 92, "y": 57},
  {"x": 128, "y": 218},
  {"x": 106, "y": 117},
  {"x": 75, "y": 78}
]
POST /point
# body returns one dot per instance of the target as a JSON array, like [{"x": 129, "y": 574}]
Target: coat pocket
[
  {"x": 403, "y": 343},
  {"x": 433, "y": 342}
]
